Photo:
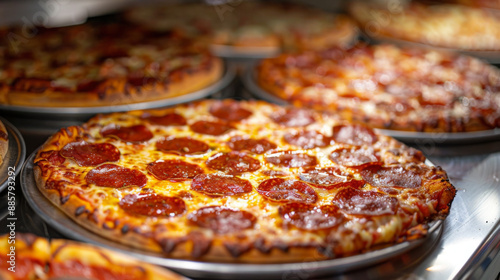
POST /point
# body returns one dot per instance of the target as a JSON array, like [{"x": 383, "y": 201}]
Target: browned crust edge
[{"x": 190, "y": 83}]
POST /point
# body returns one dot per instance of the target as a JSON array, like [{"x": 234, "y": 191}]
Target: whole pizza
[
  {"x": 100, "y": 64},
  {"x": 249, "y": 26},
  {"x": 441, "y": 25},
  {"x": 31, "y": 257},
  {"x": 389, "y": 87},
  {"x": 241, "y": 181}
]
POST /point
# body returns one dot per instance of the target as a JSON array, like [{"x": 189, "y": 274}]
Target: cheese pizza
[{"x": 241, "y": 181}]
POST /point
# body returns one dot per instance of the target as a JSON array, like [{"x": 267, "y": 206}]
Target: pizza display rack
[
  {"x": 62, "y": 223},
  {"x": 410, "y": 137},
  {"x": 84, "y": 113},
  {"x": 15, "y": 156}
]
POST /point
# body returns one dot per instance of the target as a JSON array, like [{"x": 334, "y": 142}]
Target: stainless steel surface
[
  {"x": 60, "y": 221},
  {"x": 488, "y": 56},
  {"x": 15, "y": 156},
  {"x": 422, "y": 138},
  {"x": 83, "y": 113}
]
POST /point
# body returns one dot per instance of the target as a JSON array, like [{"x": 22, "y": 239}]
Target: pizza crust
[
  {"x": 4, "y": 142},
  {"x": 188, "y": 84}
]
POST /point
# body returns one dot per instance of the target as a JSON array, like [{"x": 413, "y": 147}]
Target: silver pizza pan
[
  {"x": 11, "y": 166},
  {"x": 15, "y": 156},
  {"x": 84, "y": 113},
  {"x": 368, "y": 261},
  {"x": 411, "y": 137},
  {"x": 491, "y": 56},
  {"x": 232, "y": 52}
]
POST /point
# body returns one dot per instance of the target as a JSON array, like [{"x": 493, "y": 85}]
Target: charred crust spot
[
  {"x": 125, "y": 229},
  {"x": 327, "y": 251},
  {"x": 80, "y": 210},
  {"x": 260, "y": 244},
  {"x": 110, "y": 224},
  {"x": 95, "y": 217},
  {"x": 65, "y": 199},
  {"x": 237, "y": 249},
  {"x": 282, "y": 246},
  {"x": 201, "y": 245},
  {"x": 168, "y": 244}
]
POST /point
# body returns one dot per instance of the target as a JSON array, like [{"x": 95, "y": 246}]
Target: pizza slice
[{"x": 26, "y": 256}]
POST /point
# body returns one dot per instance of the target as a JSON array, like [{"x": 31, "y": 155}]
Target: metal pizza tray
[
  {"x": 231, "y": 52},
  {"x": 15, "y": 156},
  {"x": 411, "y": 250},
  {"x": 488, "y": 56},
  {"x": 418, "y": 138},
  {"x": 84, "y": 113}
]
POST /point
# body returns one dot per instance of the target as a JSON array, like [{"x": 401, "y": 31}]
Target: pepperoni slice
[
  {"x": 210, "y": 127},
  {"x": 282, "y": 190},
  {"x": 115, "y": 176},
  {"x": 153, "y": 205},
  {"x": 293, "y": 117},
  {"x": 257, "y": 146},
  {"x": 392, "y": 176},
  {"x": 181, "y": 145},
  {"x": 222, "y": 220},
  {"x": 174, "y": 170},
  {"x": 329, "y": 178},
  {"x": 355, "y": 157},
  {"x": 309, "y": 217},
  {"x": 354, "y": 134},
  {"x": 220, "y": 185},
  {"x": 292, "y": 159},
  {"x": 307, "y": 139},
  {"x": 229, "y": 110},
  {"x": 233, "y": 163},
  {"x": 366, "y": 203},
  {"x": 170, "y": 119},
  {"x": 90, "y": 154},
  {"x": 136, "y": 133}
]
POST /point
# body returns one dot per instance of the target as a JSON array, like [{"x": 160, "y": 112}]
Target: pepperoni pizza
[
  {"x": 30, "y": 257},
  {"x": 249, "y": 26},
  {"x": 246, "y": 181},
  {"x": 389, "y": 87},
  {"x": 101, "y": 64}
]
